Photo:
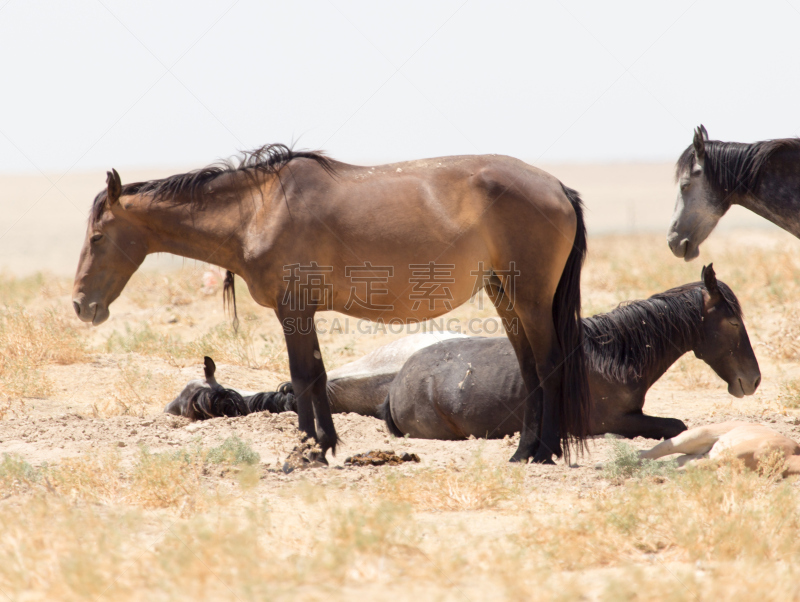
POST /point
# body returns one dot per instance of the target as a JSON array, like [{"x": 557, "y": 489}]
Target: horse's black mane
[
  {"x": 625, "y": 342},
  {"x": 268, "y": 159},
  {"x": 207, "y": 402},
  {"x": 735, "y": 166}
]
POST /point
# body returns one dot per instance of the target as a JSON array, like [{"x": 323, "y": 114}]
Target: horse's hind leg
[{"x": 532, "y": 421}]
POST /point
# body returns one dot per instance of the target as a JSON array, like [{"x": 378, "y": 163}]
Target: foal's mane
[
  {"x": 735, "y": 166},
  {"x": 625, "y": 342},
  {"x": 268, "y": 159}
]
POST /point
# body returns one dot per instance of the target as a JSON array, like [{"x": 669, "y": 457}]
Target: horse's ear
[
  {"x": 114, "y": 184},
  {"x": 710, "y": 281},
  {"x": 210, "y": 367},
  {"x": 700, "y": 137}
]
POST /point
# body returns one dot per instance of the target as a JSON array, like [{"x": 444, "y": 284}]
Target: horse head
[
  {"x": 112, "y": 251},
  {"x": 725, "y": 345},
  {"x": 697, "y": 208}
]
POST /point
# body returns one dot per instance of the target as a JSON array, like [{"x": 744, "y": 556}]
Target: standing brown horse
[{"x": 402, "y": 243}]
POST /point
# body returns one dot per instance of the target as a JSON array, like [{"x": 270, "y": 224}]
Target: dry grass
[
  {"x": 137, "y": 392},
  {"x": 727, "y": 514},
  {"x": 28, "y": 343},
  {"x": 789, "y": 395},
  {"x": 242, "y": 347},
  {"x": 784, "y": 342},
  {"x": 154, "y": 481},
  {"x": 477, "y": 486},
  {"x": 739, "y": 525}
]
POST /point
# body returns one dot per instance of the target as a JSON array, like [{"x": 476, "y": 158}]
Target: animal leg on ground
[
  {"x": 532, "y": 333},
  {"x": 308, "y": 378},
  {"x": 532, "y": 412},
  {"x": 696, "y": 441},
  {"x": 688, "y": 458},
  {"x": 642, "y": 425}
]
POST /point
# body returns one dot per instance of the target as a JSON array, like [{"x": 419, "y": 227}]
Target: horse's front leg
[
  {"x": 309, "y": 378},
  {"x": 636, "y": 424}
]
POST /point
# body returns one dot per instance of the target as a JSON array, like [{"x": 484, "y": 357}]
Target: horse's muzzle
[{"x": 93, "y": 312}]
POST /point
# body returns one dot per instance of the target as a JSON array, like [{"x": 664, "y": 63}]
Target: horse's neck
[
  {"x": 213, "y": 233},
  {"x": 674, "y": 349},
  {"x": 778, "y": 196},
  {"x": 672, "y": 354}
]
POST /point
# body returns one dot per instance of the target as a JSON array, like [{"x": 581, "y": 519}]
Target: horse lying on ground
[
  {"x": 359, "y": 386},
  {"x": 751, "y": 443},
  {"x": 473, "y": 387},
  {"x": 468, "y": 386}
]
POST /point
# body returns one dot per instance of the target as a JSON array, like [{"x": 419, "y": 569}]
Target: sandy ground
[{"x": 65, "y": 425}]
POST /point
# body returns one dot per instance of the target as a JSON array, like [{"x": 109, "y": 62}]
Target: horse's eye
[
  {"x": 685, "y": 186},
  {"x": 96, "y": 238}
]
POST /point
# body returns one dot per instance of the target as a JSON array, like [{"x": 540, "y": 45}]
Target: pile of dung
[{"x": 379, "y": 458}]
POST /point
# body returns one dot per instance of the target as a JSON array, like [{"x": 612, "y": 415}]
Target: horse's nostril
[
  {"x": 77, "y": 307},
  {"x": 755, "y": 384}
]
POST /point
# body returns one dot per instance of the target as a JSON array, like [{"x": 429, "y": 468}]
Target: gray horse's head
[{"x": 699, "y": 206}]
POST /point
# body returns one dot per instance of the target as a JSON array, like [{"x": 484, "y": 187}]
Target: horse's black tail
[
  {"x": 385, "y": 414},
  {"x": 229, "y": 298},
  {"x": 282, "y": 400},
  {"x": 575, "y": 407},
  {"x": 215, "y": 402}
]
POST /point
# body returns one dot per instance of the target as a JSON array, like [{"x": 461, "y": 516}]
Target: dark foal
[{"x": 473, "y": 387}]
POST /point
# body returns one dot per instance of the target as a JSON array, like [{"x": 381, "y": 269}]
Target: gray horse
[
  {"x": 451, "y": 389},
  {"x": 763, "y": 176},
  {"x": 473, "y": 387}
]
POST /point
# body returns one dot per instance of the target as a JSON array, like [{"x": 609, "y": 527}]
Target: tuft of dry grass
[
  {"x": 784, "y": 341},
  {"x": 138, "y": 392},
  {"x": 223, "y": 343},
  {"x": 155, "y": 480},
  {"x": 28, "y": 342},
  {"x": 477, "y": 486},
  {"x": 697, "y": 535},
  {"x": 789, "y": 395},
  {"x": 727, "y": 514}
]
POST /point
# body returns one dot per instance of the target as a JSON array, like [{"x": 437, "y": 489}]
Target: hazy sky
[{"x": 90, "y": 84}]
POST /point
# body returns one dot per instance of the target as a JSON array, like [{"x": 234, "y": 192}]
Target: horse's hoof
[
  {"x": 318, "y": 457},
  {"x": 519, "y": 458},
  {"x": 543, "y": 458}
]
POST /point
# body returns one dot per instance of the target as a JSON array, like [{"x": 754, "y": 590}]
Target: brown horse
[{"x": 403, "y": 242}]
